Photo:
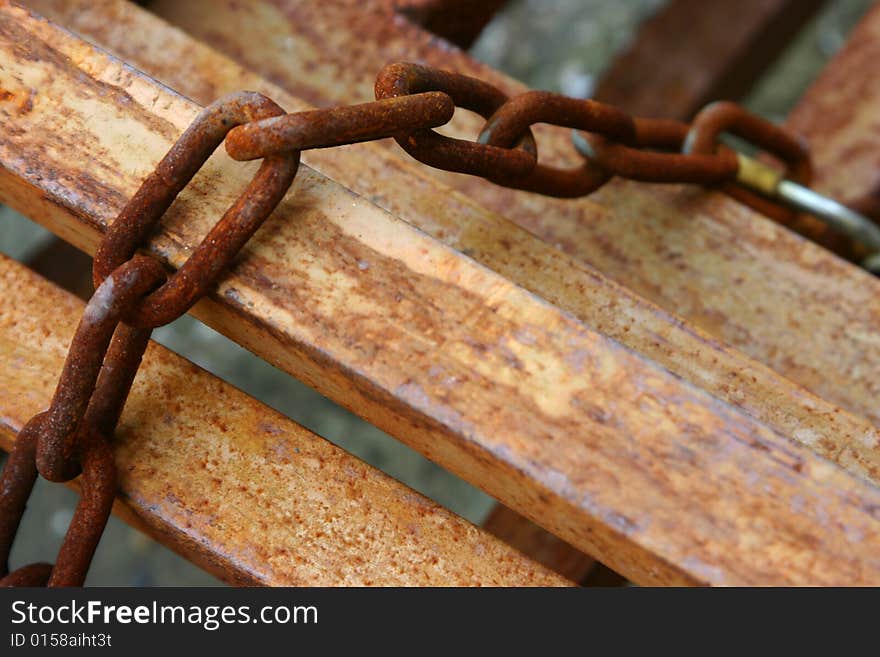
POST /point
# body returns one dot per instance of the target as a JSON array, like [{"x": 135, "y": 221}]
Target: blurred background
[{"x": 559, "y": 45}]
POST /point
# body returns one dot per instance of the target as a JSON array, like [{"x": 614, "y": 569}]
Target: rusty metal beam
[
  {"x": 107, "y": 25},
  {"x": 692, "y": 52},
  {"x": 839, "y": 115},
  {"x": 496, "y": 438},
  {"x": 686, "y": 351},
  {"x": 722, "y": 268},
  {"x": 391, "y": 180},
  {"x": 236, "y": 487}
]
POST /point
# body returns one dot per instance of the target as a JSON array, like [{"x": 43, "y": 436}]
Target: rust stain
[
  {"x": 770, "y": 264},
  {"x": 511, "y": 455},
  {"x": 288, "y": 533}
]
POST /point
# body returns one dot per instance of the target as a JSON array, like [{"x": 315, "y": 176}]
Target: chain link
[
  {"x": 511, "y": 122},
  {"x": 223, "y": 242},
  {"x": 458, "y": 155},
  {"x": 134, "y": 294},
  {"x": 614, "y": 143}
]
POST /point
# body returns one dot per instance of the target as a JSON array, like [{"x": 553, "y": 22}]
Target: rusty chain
[{"x": 134, "y": 294}]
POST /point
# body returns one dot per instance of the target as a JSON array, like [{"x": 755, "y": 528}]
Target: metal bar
[
  {"x": 719, "y": 266},
  {"x": 762, "y": 267},
  {"x": 390, "y": 181},
  {"x": 125, "y": 30},
  {"x": 729, "y": 46},
  {"x": 838, "y": 115},
  {"x": 504, "y": 523},
  {"x": 492, "y": 434},
  {"x": 236, "y": 487},
  {"x": 698, "y": 51}
]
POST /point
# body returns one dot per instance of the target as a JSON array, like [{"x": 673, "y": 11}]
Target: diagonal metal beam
[
  {"x": 720, "y": 267},
  {"x": 597, "y": 443},
  {"x": 207, "y": 74},
  {"x": 236, "y": 487},
  {"x": 391, "y": 182}
]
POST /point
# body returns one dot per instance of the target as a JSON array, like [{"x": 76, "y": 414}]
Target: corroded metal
[
  {"x": 71, "y": 438},
  {"x": 459, "y": 21},
  {"x": 448, "y": 153},
  {"x": 641, "y": 162},
  {"x": 692, "y": 52},
  {"x": 778, "y": 278},
  {"x": 236, "y": 487},
  {"x": 336, "y": 126},
  {"x": 789, "y": 148},
  {"x": 140, "y": 215},
  {"x": 88, "y": 521},
  {"x": 470, "y": 278},
  {"x": 83, "y": 399},
  {"x": 614, "y": 144}
]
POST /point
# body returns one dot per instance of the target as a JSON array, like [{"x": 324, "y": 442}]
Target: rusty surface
[
  {"x": 705, "y": 160},
  {"x": 698, "y": 51},
  {"x": 510, "y": 122},
  {"x": 98, "y": 483},
  {"x": 606, "y": 138},
  {"x": 72, "y": 436},
  {"x": 16, "y": 483},
  {"x": 611, "y": 143},
  {"x": 209, "y": 73},
  {"x": 204, "y": 74},
  {"x": 236, "y": 487},
  {"x": 669, "y": 245},
  {"x": 98, "y": 490},
  {"x": 481, "y": 411},
  {"x": 640, "y": 162},
  {"x": 447, "y": 153},
  {"x": 787, "y": 147},
  {"x": 35, "y": 574},
  {"x": 84, "y": 401},
  {"x": 223, "y": 242},
  {"x": 839, "y": 116},
  {"x": 723, "y": 116}
]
